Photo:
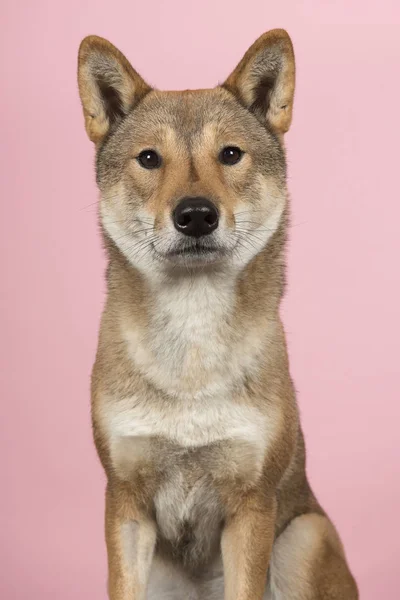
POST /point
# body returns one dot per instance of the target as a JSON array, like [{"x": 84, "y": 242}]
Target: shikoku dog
[{"x": 194, "y": 413}]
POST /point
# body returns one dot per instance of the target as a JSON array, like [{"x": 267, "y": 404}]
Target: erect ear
[
  {"x": 108, "y": 85},
  {"x": 264, "y": 79}
]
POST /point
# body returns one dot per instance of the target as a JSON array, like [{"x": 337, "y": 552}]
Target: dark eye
[
  {"x": 149, "y": 159},
  {"x": 230, "y": 155}
]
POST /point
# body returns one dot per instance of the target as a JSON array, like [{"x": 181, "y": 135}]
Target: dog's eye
[
  {"x": 149, "y": 159},
  {"x": 230, "y": 155}
]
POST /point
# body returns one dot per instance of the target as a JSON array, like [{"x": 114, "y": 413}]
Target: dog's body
[{"x": 194, "y": 412}]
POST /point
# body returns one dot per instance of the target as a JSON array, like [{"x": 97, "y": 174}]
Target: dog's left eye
[
  {"x": 149, "y": 159},
  {"x": 230, "y": 155}
]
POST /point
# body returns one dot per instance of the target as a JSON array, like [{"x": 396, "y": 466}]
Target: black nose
[{"x": 195, "y": 217}]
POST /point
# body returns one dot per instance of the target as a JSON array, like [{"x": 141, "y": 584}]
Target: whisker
[
  {"x": 290, "y": 225},
  {"x": 140, "y": 247},
  {"x": 131, "y": 234},
  {"x": 246, "y": 244},
  {"x": 259, "y": 227}
]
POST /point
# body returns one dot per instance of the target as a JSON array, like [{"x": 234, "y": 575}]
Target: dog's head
[{"x": 193, "y": 178}]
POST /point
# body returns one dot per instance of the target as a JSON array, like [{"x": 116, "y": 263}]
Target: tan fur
[{"x": 194, "y": 414}]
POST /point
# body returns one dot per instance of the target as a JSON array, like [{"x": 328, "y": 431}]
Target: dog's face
[{"x": 196, "y": 178}]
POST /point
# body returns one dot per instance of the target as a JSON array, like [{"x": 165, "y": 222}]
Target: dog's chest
[
  {"x": 184, "y": 454},
  {"x": 192, "y": 435}
]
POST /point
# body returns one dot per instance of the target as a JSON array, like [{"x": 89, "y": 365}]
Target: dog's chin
[{"x": 194, "y": 256}]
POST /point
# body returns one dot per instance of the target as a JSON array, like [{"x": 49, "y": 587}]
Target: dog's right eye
[{"x": 149, "y": 159}]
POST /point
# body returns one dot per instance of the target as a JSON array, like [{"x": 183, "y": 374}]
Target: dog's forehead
[{"x": 189, "y": 112}]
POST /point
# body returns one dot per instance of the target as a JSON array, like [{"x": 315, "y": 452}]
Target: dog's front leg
[
  {"x": 130, "y": 538},
  {"x": 246, "y": 548}
]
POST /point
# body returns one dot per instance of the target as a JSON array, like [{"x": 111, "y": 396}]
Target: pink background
[{"x": 342, "y": 307}]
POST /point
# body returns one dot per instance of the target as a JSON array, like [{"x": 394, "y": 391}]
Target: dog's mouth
[{"x": 193, "y": 252}]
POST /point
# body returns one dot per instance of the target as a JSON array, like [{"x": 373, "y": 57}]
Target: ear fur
[
  {"x": 108, "y": 86},
  {"x": 264, "y": 79}
]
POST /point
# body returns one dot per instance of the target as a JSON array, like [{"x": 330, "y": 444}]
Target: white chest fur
[{"x": 188, "y": 423}]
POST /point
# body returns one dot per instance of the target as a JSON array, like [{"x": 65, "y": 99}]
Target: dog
[{"x": 193, "y": 408}]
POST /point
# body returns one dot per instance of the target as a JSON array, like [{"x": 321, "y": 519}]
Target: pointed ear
[
  {"x": 108, "y": 86},
  {"x": 264, "y": 79}
]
